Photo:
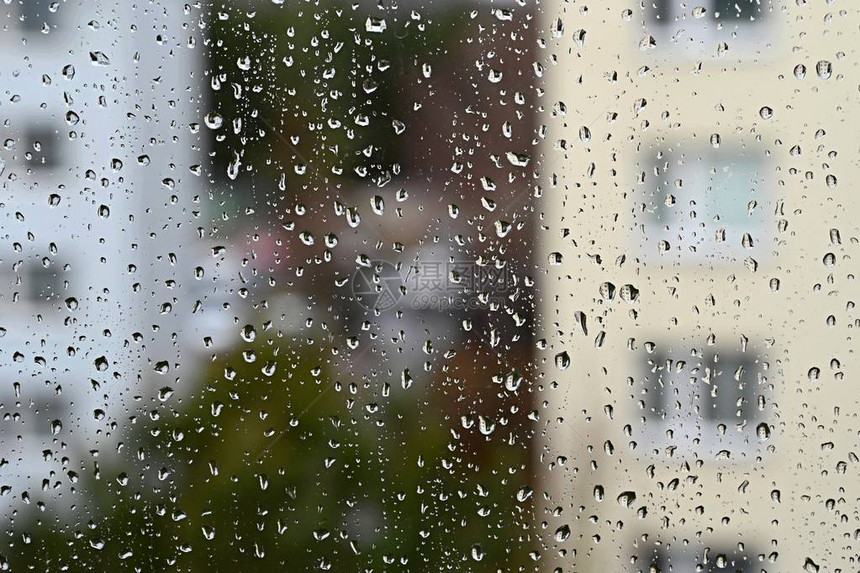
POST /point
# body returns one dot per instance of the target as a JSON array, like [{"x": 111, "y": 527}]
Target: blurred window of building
[
  {"x": 41, "y": 147},
  {"x": 692, "y": 30},
  {"x": 35, "y": 15},
  {"x": 666, "y": 12},
  {"x": 704, "y": 203},
  {"x": 41, "y": 284},
  {"x": 720, "y": 558},
  {"x": 691, "y": 395}
]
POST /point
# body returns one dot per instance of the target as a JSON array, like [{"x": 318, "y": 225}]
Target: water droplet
[
  {"x": 579, "y": 319},
  {"x": 375, "y": 25},
  {"x": 353, "y": 219},
  {"x": 99, "y": 59},
  {"x": 607, "y": 290},
  {"x": 629, "y": 293},
  {"x": 626, "y": 498},
  {"x": 405, "y": 379},
  {"x": 212, "y": 121},
  {"x": 524, "y": 493},
  {"x": 517, "y": 159},
  {"x": 800, "y": 71},
  {"x": 562, "y": 360}
]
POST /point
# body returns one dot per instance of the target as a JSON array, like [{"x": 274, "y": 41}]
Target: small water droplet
[{"x": 562, "y": 360}]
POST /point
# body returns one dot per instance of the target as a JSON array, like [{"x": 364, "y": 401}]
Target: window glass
[{"x": 509, "y": 286}]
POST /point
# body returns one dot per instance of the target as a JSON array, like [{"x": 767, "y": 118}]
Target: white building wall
[{"x": 112, "y": 90}]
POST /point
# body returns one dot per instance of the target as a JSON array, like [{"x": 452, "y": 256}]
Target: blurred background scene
[{"x": 426, "y": 286}]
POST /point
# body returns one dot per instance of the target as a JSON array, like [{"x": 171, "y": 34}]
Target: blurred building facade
[
  {"x": 98, "y": 114},
  {"x": 698, "y": 302}
]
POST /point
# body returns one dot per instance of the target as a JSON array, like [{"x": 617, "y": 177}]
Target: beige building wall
[{"x": 741, "y": 458}]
